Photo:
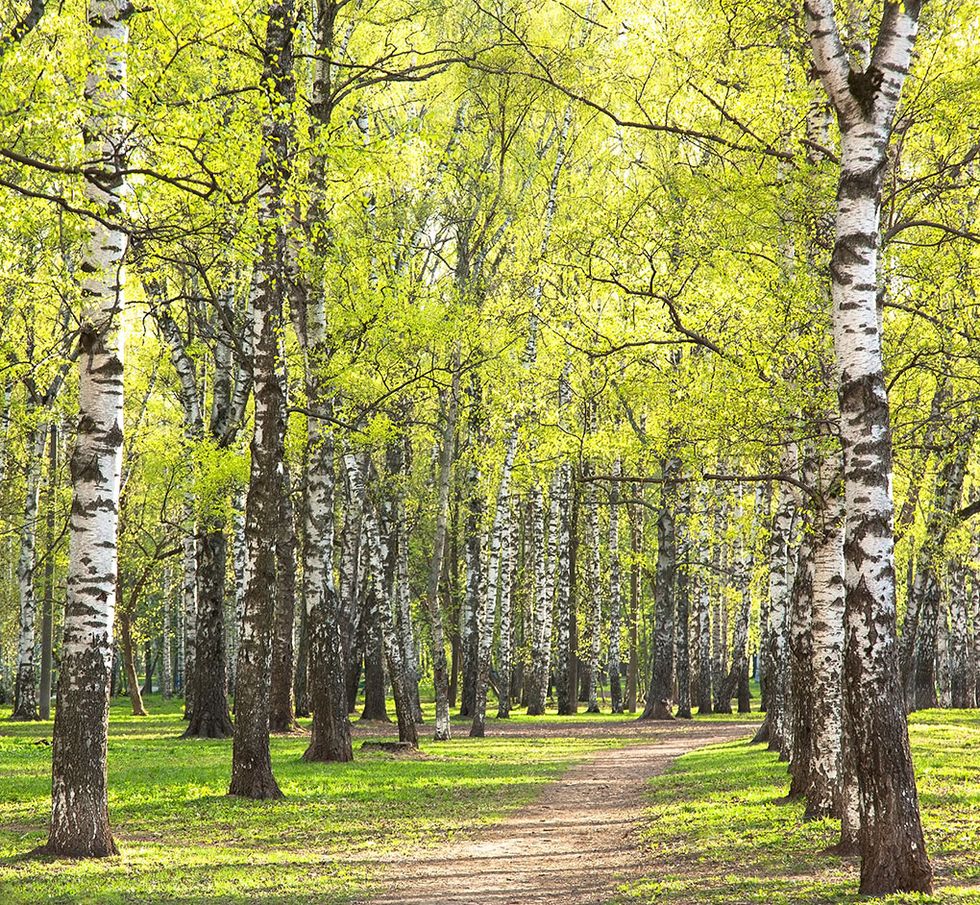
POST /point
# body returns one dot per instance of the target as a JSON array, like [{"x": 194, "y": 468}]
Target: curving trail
[{"x": 571, "y": 846}]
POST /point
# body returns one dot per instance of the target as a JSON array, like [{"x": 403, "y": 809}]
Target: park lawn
[
  {"x": 183, "y": 840},
  {"x": 716, "y": 834}
]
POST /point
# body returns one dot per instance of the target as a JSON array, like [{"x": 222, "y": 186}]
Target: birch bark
[
  {"x": 866, "y": 100},
  {"x": 407, "y": 730},
  {"x": 660, "y": 694},
  {"x": 251, "y": 761},
  {"x": 488, "y": 595},
  {"x": 615, "y": 595},
  {"x": 79, "y": 805},
  {"x": 683, "y": 590},
  {"x": 25, "y": 684},
  {"x": 962, "y": 691},
  {"x": 440, "y": 672},
  {"x": 827, "y": 642}
]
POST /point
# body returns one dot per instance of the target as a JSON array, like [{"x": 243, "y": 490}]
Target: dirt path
[{"x": 570, "y": 846}]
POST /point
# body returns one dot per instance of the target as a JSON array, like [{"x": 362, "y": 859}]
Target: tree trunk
[
  {"x": 561, "y": 561},
  {"x": 593, "y": 593},
  {"x": 893, "y": 849},
  {"x": 25, "y": 684},
  {"x": 375, "y": 703},
  {"x": 541, "y": 640},
  {"x": 47, "y": 613},
  {"x": 148, "y": 667},
  {"x": 615, "y": 595},
  {"x": 507, "y": 572},
  {"x": 702, "y": 618},
  {"x": 407, "y": 729},
  {"x": 736, "y": 683},
  {"x": 330, "y": 739},
  {"x": 962, "y": 691},
  {"x": 189, "y": 610},
  {"x": 801, "y": 666},
  {"x": 166, "y": 642},
  {"x": 282, "y": 704},
  {"x": 79, "y": 803},
  {"x": 719, "y": 618},
  {"x": 129, "y": 662},
  {"x": 489, "y": 592},
  {"x": 251, "y": 775},
  {"x": 471, "y": 601},
  {"x": 780, "y": 569},
  {"x": 683, "y": 591},
  {"x": 209, "y": 717},
  {"x": 445, "y": 689},
  {"x": 975, "y": 628},
  {"x": 636, "y": 547},
  {"x": 658, "y": 705},
  {"x": 918, "y": 644},
  {"x": 301, "y": 678},
  {"x": 827, "y": 643}
]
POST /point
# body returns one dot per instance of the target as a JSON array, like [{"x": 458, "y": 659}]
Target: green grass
[
  {"x": 716, "y": 834},
  {"x": 183, "y": 840}
]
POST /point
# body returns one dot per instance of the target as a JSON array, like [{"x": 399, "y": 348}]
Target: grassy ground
[
  {"x": 716, "y": 834},
  {"x": 183, "y": 840}
]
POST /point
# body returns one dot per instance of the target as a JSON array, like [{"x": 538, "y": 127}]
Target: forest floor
[
  {"x": 574, "y": 843},
  {"x": 472, "y": 818}
]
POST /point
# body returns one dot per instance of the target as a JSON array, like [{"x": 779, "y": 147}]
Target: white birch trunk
[
  {"x": 79, "y": 812},
  {"x": 541, "y": 623},
  {"x": 508, "y": 558},
  {"x": 25, "y": 691},
  {"x": 166, "y": 644},
  {"x": 488, "y": 595},
  {"x": 827, "y": 640},
  {"x": 593, "y": 613},
  {"x": 407, "y": 731},
  {"x": 893, "y": 849},
  {"x": 615, "y": 594},
  {"x": 189, "y": 605},
  {"x": 780, "y": 569}
]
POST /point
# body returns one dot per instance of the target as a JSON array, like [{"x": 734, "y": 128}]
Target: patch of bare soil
[{"x": 574, "y": 845}]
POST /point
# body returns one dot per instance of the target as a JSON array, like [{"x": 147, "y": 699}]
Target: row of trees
[{"x": 488, "y": 344}]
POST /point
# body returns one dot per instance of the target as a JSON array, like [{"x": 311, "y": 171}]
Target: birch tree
[
  {"x": 79, "y": 794},
  {"x": 893, "y": 854},
  {"x": 251, "y": 768}
]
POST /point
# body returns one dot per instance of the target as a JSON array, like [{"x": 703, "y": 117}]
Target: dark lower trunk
[
  {"x": 375, "y": 705},
  {"x": 456, "y": 649},
  {"x": 923, "y": 692},
  {"x": 658, "y": 703},
  {"x": 352, "y": 674},
  {"x": 25, "y": 694},
  {"x": 282, "y": 705},
  {"x": 210, "y": 717},
  {"x": 147, "y": 667},
  {"x": 744, "y": 695},
  {"x": 683, "y": 647},
  {"x": 80, "y": 814},
  {"x": 801, "y": 669},
  {"x": 301, "y": 680},
  {"x": 330, "y": 739}
]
